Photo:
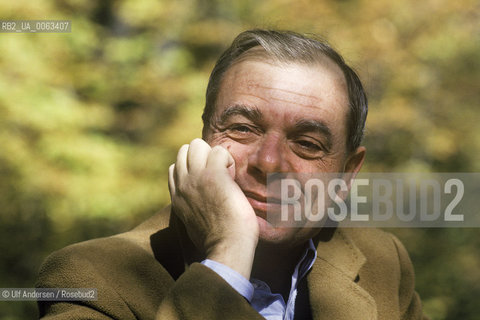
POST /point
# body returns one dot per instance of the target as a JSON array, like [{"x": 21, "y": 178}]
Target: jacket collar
[
  {"x": 336, "y": 248},
  {"x": 333, "y": 291}
]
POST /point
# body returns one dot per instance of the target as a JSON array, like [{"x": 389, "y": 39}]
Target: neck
[{"x": 274, "y": 264}]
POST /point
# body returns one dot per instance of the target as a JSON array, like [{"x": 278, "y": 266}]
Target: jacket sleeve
[
  {"x": 191, "y": 293},
  {"x": 132, "y": 285},
  {"x": 410, "y": 304}
]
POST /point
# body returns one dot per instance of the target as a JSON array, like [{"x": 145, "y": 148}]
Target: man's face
[{"x": 276, "y": 117}]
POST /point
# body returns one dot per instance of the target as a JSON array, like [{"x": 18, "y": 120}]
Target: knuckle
[
  {"x": 185, "y": 187},
  {"x": 208, "y": 178},
  {"x": 199, "y": 147},
  {"x": 198, "y": 143}
]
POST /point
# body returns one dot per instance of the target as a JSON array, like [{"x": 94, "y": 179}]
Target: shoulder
[
  {"x": 103, "y": 263},
  {"x": 108, "y": 256},
  {"x": 122, "y": 268},
  {"x": 98, "y": 253}
]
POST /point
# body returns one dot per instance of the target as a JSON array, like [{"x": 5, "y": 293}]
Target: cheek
[{"x": 239, "y": 152}]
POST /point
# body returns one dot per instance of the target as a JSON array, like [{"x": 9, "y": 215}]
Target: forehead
[{"x": 296, "y": 87}]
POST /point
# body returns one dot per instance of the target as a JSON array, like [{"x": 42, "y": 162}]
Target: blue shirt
[{"x": 269, "y": 305}]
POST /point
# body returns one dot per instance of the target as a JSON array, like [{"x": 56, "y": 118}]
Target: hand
[{"x": 217, "y": 215}]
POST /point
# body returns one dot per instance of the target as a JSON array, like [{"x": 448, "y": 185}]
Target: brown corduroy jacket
[{"x": 152, "y": 272}]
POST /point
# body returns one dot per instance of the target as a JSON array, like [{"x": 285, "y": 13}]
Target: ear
[{"x": 353, "y": 164}]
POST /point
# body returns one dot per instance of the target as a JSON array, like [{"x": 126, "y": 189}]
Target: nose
[{"x": 269, "y": 156}]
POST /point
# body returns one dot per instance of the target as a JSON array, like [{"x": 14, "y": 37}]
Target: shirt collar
[{"x": 307, "y": 260}]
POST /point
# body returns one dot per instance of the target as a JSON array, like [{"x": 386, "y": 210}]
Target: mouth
[{"x": 263, "y": 204}]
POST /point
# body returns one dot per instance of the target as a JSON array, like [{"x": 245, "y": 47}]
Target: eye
[
  {"x": 242, "y": 132},
  {"x": 308, "y": 148},
  {"x": 241, "y": 128},
  {"x": 309, "y": 145}
]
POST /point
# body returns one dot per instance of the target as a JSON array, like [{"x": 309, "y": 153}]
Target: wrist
[{"x": 237, "y": 255}]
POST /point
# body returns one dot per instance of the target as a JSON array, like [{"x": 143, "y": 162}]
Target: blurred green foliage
[{"x": 90, "y": 120}]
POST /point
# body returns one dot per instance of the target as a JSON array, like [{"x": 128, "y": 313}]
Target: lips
[{"x": 262, "y": 204}]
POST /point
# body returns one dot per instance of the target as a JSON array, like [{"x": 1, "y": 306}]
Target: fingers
[
  {"x": 193, "y": 158},
  {"x": 219, "y": 157},
  {"x": 197, "y": 155},
  {"x": 181, "y": 163},
  {"x": 171, "y": 181}
]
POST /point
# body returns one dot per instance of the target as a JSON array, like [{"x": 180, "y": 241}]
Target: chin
[
  {"x": 275, "y": 235},
  {"x": 287, "y": 236}
]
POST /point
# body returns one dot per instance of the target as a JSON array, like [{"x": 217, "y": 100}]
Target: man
[{"x": 277, "y": 102}]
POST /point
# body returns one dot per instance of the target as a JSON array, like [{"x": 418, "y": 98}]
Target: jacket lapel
[{"x": 333, "y": 293}]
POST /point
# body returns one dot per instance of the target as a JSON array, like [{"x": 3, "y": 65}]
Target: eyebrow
[
  {"x": 251, "y": 113},
  {"x": 304, "y": 125},
  {"x": 315, "y": 126}
]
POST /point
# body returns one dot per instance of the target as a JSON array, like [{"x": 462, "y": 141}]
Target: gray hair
[{"x": 287, "y": 46}]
